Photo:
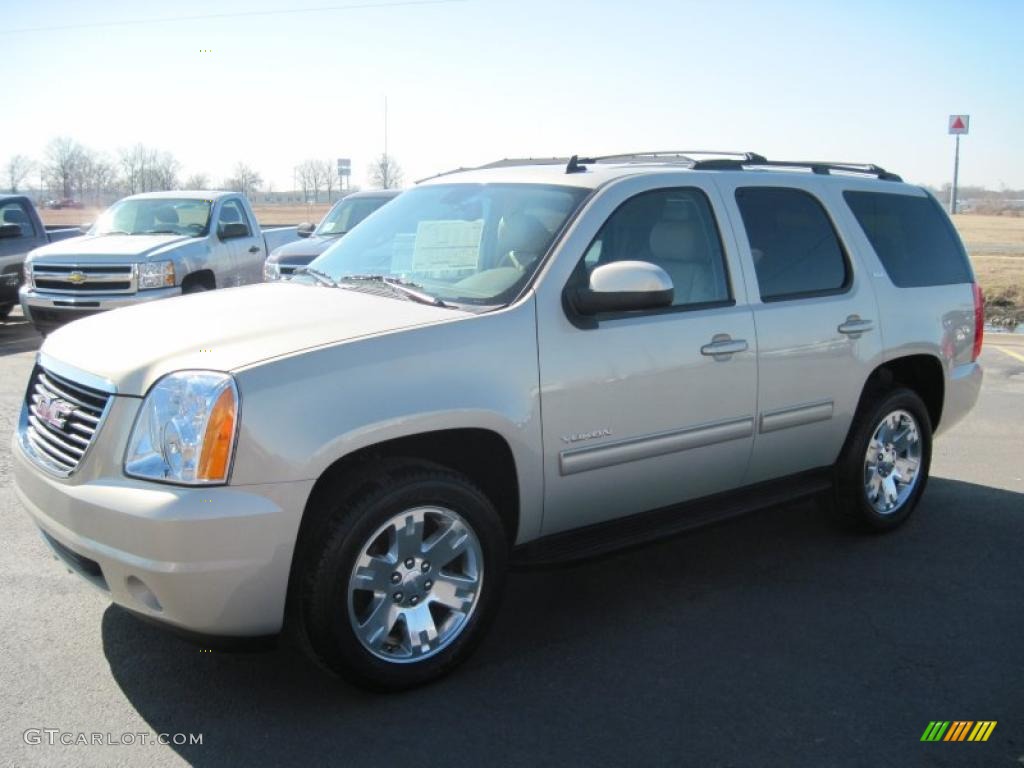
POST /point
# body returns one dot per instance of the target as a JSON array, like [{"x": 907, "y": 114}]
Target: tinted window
[
  {"x": 912, "y": 237},
  {"x": 675, "y": 229},
  {"x": 346, "y": 214},
  {"x": 232, "y": 213},
  {"x": 794, "y": 247},
  {"x": 13, "y": 213}
]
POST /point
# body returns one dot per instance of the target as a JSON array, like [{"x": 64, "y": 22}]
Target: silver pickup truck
[
  {"x": 523, "y": 363},
  {"x": 148, "y": 247}
]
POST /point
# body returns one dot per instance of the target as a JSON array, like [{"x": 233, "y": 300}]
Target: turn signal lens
[
  {"x": 979, "y": 321},
  {"x": 220, "y": 435}
]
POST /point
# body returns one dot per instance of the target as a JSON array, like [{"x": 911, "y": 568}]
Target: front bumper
[
  {"x": 213, "y": 561},
  {"x": 49, "y": 311}
]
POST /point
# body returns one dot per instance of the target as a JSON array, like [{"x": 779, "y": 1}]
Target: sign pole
[{"x": 956, "y": 177}]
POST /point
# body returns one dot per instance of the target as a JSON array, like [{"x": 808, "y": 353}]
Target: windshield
[
  {"x": 347, "y": 213},
  {"x": 461, "y": 243},
  {"x": 155, "y": 216}
]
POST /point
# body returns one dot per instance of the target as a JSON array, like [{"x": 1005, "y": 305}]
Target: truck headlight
[
  {"x": 185, "y": 430},
  {"x": 271, "y": 271},
  {"x": 156, "y": 274}
]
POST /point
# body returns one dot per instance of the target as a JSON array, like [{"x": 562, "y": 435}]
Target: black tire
[
  {"x": 194, "y": 288},
  {"x": 851, "y": 496},
  {"x": 348, "y": 521}
]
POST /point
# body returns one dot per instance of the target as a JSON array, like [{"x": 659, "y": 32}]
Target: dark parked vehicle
[
  {"x": 344, "y": 215},
  {"x": 21, "y": 230}
]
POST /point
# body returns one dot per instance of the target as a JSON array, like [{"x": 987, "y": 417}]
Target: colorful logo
[{"x": 959, "y": 730}]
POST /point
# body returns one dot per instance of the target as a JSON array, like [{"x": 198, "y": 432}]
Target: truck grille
[
  {"x": 92, "y": 278},
  {"x": 60, "y": 420}
]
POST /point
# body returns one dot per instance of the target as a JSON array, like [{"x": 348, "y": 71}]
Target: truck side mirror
[
  {"x": 232, "y": 230},
  {"x": 305, "y": 229},
  {"x": 623, "y": 286},
  {"x": 10, "y": 230}
]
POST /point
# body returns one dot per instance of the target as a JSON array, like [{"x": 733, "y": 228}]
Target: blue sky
[{"x": 475, "y": 80}]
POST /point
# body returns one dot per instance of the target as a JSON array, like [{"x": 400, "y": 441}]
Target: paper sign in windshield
[{"x": 443, "y": 246}]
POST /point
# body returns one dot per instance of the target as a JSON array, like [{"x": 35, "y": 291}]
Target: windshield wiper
[
  {"x": 113, "y": 232},
  {"x": 321, "y": 277},
  {"x": 406, "y": 288},
  {"x": 157, "y": 232}
]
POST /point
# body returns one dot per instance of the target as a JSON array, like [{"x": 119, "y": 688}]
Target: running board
[{"x": 626, "y": 532}]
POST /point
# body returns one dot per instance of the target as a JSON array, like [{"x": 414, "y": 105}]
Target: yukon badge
[
  {"x": 54, "y": 412},
  {"x": 577, "y": 437}
]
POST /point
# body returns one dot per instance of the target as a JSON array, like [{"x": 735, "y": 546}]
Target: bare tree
[
  {"x": 136, "y": 163},
  {"x": 385, "y": 172},
  {"x": 103, "y": 178},
  {"x": 63, "y": 160},
  {"x": 330, "y": 178},
  {"x": 164, "y": 172},
  {"x": 197, "y": 181},
  {"x": 311, "y": 176},
  {"x": 244, "y": 180},
  {"x": 17, "y": 168}
]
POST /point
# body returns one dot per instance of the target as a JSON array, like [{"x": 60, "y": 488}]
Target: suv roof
[{"x": 593, "y": 171}]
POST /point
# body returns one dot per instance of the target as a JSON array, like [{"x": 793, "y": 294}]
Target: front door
[{"x": 646, "y": 409}]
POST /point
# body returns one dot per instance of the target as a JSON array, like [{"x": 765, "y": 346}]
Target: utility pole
[
  {"x": 956, "y": 177},
  {"x": 958, "y": 126}
]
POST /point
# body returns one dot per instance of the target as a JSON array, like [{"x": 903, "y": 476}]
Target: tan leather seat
[{"x": 681, "y": 250}]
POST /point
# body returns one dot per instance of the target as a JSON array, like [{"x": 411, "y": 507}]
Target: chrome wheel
[
  {"x": 415, "y": 584},
  {"x": 893, "y": 461}
]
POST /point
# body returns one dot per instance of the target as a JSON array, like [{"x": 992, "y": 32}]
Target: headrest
[
  {"x": 166, "y": 214},
  {"x": 674, "y": 241},
  {"x": 523, "y": 232}
]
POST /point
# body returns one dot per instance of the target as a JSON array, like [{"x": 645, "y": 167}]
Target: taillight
[{"x": 979, "y": 321}]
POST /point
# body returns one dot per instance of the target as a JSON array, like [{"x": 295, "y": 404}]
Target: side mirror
[
  {"x": 233, "y": 230},
  {"x": 10, "y": 230},
  {"x": 305, "y": 229},
  {"x": 624, "y": 286},
  {"x": 84, "y": 227}
]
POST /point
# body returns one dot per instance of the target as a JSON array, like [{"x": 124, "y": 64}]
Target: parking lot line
[{"x": 1010, "y": 352}]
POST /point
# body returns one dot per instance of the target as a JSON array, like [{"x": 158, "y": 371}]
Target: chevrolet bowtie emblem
[{"x": 77, "y": 277}]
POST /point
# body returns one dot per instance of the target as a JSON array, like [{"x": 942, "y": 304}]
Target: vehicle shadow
[
  {"x": 778, "y": 638},
  {"x": 18, "y": 335}
]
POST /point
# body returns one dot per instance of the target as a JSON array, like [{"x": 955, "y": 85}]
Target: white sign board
[
  {"x": 344, "y": 166},
  {"x": 959, "y": 123}
]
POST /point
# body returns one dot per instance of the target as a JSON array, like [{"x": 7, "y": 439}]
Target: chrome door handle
[
  {"x": 855, "y": 326},
  {"x": 722, "y": 346}
]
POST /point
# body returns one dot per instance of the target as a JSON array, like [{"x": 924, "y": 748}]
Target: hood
[
  {"x": 106, "y": 246},
  {"x": 228, "y": 329},
  {"x": 303, "y": 251}
]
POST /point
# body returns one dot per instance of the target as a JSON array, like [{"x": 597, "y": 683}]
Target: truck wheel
[
  {"x": 407, "y": 578},
  {"x": 884, "y": 466}
]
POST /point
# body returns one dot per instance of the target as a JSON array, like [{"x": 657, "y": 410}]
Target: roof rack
[
  {"x": 681, "y": 156},
  {"x": 815, "y": 166}
]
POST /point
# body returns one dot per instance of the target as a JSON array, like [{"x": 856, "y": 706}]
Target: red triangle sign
[{"x": 958, "y": 125}]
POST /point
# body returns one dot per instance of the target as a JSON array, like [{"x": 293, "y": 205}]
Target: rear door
[
  {"x": 638, "y": 410},
  {"x": 816, "y": 315}
]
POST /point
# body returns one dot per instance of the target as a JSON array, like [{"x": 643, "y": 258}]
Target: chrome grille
[
  {"x": 60, "y": 420},
  {"x": 78, "y": 279}
]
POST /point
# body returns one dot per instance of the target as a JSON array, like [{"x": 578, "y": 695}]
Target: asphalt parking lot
[{"x": 776, "y": 639}]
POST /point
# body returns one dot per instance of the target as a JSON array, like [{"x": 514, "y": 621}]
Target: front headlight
[
  {"x": 185, "y": 429},
  {"x": 156, "y": 274},
  {"x": 271, "y": 271}
]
